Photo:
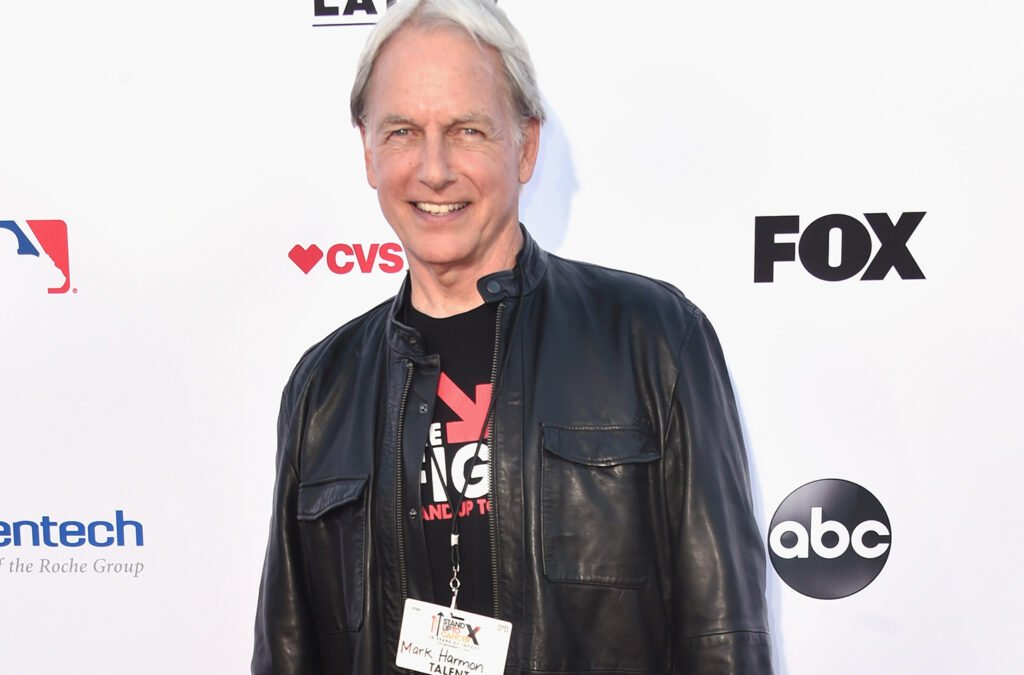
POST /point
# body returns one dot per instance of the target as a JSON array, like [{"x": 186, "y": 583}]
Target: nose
[{"x": 435, "y": 169}]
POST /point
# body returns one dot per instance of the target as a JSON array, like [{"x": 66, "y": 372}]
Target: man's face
[{"x": 440, "y": 145}]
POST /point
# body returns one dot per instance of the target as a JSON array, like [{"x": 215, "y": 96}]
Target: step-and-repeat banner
[{"x": 183, "y": 210}]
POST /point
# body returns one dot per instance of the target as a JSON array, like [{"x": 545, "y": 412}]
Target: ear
[
  {"x": 371, "y": 175},
  {"x": 528, "y": 151}
]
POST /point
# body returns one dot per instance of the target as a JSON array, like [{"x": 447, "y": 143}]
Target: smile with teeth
[{"x": 440, "y": 209}]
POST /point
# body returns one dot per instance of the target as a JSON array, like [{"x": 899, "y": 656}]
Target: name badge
[{"x": 439, "y": 640}]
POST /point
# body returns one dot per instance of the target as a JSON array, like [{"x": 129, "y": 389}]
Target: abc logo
[{"x": 829, "y": 539}]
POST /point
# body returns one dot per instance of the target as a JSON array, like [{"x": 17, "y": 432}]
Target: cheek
[
  {"x": 393, "y": 172},
  {"x": 493, "y": 171}
]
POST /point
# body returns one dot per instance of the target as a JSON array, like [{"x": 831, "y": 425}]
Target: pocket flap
[
  {"x": 318, "y": 498},
  {"x": 601, "y": 446}
]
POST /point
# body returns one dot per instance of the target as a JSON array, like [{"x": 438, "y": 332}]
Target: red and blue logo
[{"x": 52, "y": 237}]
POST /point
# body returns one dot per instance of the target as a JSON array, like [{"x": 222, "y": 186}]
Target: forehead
[{"x": 436, "y": 71}]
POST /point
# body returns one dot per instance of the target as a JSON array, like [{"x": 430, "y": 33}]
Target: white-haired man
[{"x": 518, "y": 439}]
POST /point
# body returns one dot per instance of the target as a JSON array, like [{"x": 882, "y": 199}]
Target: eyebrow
[
  {"x": 470, "y": 118},
  {"x": 473, "y": 118},
  {"x": 392, "y": 120}
]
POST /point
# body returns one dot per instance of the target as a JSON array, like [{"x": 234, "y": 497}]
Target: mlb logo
[{"x": 38, "y": 251}]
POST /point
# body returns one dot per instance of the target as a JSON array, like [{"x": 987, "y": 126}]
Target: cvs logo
[
  {"x": 835, "y": 557},
  {"x": 836, "y": 247},
  {"x": 345, "y": 258}
]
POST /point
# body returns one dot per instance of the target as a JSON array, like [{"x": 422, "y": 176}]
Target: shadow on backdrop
[
  {"x": 773, "y": 594},
  {"x": 545, "y": 204}
]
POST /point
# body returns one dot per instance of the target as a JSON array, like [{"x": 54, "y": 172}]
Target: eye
[
  {"x": 471, "y": 134},
  {"x": 398, "y": 134}
]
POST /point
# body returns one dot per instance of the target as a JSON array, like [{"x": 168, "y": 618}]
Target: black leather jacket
[{"x": 622, "y": 529}]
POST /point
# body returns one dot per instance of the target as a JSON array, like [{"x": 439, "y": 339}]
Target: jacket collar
[{"x": 531, "y": 263}]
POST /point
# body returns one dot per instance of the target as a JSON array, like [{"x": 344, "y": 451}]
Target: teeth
[{"x": 440, "y": 209}]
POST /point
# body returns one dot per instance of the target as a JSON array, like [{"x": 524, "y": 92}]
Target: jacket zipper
[
  {"x": 400, "y": 481},
  {"x": 492, "y": 516}
]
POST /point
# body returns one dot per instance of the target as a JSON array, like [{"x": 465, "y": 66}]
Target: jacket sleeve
[
  {"x": 285, "y": 642},
  {"x": 720, "y": 621}
]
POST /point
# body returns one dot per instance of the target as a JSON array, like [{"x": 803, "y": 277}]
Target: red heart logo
[{"x": 305, "y": 258}]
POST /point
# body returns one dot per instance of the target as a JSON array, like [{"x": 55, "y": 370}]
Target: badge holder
[{"x": 444, "y": 641}]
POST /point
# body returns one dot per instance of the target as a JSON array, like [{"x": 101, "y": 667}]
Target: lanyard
[
  {"x": 456, "y": 506},
  {"x": 456, "y": 561}
]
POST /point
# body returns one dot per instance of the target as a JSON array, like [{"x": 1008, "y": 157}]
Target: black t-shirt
[{"x": 465, "y": 345}]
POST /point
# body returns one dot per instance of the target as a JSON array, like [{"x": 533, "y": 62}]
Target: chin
[{"x": 440, "y": 252}]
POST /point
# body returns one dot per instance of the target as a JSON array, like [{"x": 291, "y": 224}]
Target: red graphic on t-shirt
[
  {"x": 472, "y": 414},
  {"x": 452, "y": 460}
]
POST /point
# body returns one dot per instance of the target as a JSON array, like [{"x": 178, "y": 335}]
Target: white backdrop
[{"x": 189, "y": 146}]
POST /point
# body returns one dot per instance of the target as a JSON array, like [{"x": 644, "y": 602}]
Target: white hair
[{"x": 483, "y": 21}]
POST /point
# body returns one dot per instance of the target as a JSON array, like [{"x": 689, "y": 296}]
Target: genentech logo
[
  {"x": 49, "y": 536},
  {"x": 836, "y": 247},
  {"x": 72, "y": 533},
  {"x": 346, "y": 258},
  {"x": 829, "y": 539},
  {"x": 51, "y": 236},
  {"x": 348, "y": 12}
]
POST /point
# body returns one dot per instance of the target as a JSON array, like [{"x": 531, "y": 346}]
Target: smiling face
[{"x": 441, "y": 149}]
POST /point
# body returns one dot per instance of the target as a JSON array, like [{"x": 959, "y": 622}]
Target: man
[{"x": 572, "y": 425}]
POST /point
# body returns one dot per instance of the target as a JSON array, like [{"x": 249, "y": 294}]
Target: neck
[{"x": 440, "y": 291}]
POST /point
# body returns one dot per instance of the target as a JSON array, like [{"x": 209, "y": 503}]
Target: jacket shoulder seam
[
  {"x": 728, "y": 632},
  {"x": 304, "y": 372},
  {"x": 309, "y": 362},
  {"x": 697, "y": 318}
]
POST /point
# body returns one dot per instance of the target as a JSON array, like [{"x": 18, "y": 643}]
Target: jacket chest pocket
[
  {"x": 595, "y": 504},
  {"x": 332, "y": 525}
]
